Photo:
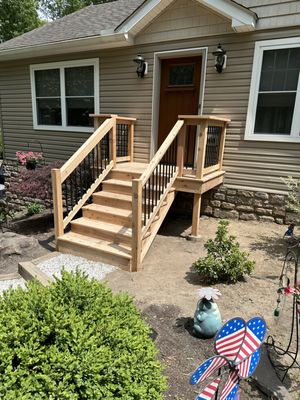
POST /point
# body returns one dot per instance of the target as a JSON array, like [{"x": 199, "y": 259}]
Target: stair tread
[
  {"x": 131, "y": 167},
  {"x": 96, "y": 243},
  {"x": 109, "y": 210},
  {"x": 118, "y": 182},
  {"x": 93, "y": 223},
  {"x": 113, "y": 195}
]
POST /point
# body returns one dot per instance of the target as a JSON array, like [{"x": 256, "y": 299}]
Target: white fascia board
[
  {"x": 243, "y": 20},
  {"x": 142, "y": 12},
  {"x": 107, "y": 41}
]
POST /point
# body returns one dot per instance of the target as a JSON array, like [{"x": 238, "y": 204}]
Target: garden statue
[
  {"x": 207, "y": 317},
  {"x": 237, "y": 347}
]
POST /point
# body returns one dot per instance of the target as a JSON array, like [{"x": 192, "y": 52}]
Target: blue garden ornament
[
  {"x": 237, "y": 347},
  {"x": 207, "y": 317}
]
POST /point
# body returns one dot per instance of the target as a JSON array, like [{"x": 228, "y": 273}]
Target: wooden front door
[{"x": 179, "y": 94}]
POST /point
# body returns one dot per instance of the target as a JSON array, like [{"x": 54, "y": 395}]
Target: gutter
[{"x": 106, "y": 40}]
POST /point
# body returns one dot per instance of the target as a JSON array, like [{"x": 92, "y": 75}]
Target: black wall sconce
[
  {"x": 142, "y": 66},
  {"x": 220, "y": 58}
]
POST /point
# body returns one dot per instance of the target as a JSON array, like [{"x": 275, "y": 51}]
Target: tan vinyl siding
[
  {"x": 274, "y": 13},
  {"x": 182, "y": 19},
  {"x": 257, "y": 165}
]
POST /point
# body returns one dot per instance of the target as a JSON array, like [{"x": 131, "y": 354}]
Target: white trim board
[
  {"x": 260, "y": 47},
  {"x": 61, "y": 65},
  {"x": 158, "y": 56}
]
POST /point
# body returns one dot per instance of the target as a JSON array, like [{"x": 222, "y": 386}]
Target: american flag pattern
[
  {"x": 231, "y": 387},
  {"x": 207, "y": 368},
  {"x": 230, "y": 338},
  {"x": 255, "y": 333},
  {"x": 238, "y": 346},
  {"x": 247, "y": 367},
  {"x": 210, "y": 390}
]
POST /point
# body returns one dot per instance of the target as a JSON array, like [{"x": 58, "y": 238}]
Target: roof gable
[
  {"x": 242, "y": 19},
  {"x": 184, "y": 19}
]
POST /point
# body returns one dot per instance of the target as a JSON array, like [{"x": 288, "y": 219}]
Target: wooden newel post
[
  {"x": 199, "y": 175},
  {"x": 222, "y": 146},
  {"x": 136, "y": 224},
  {"x": 180, "y": 150},
  {"x": 57, "y": 203}
]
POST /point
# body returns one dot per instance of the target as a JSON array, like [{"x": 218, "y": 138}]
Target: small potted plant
[{"x": 29, "y": 159}]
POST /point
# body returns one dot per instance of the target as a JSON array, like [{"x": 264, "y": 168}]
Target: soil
[{"x": 166, "y": 292}]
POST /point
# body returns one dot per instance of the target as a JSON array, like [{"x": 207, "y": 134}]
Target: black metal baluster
[
  {"x": 66, "y": 195},
  {"x": 144, "y": 204}
]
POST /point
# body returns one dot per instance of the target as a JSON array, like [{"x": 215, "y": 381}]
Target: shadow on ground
[{"x": 273, "y": 246}]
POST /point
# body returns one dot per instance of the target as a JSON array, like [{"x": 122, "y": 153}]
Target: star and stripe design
[{"x": 237, "y": 345}]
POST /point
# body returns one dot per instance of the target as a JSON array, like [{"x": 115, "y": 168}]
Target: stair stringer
[{"x": 156, "y": 224}]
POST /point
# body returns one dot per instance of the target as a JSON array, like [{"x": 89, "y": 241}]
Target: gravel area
[
  {"x": 71, "y": 263},
  {"x": 11, "y": 283}
]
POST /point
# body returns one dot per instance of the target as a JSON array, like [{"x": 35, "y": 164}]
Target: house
[{"x": 52, "y": 78}]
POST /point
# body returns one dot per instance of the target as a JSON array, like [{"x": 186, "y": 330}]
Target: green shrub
[
  {"x": 75, "y": 340},
  {"x": 293, "y": 200},
  {"x": 34, "y": 208},
  {"x": 225, "y": 262}
]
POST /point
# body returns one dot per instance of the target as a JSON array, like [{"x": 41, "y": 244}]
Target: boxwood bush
[
  {"x": 75, "y": 340},
  {"x": 225, "y": 262}
]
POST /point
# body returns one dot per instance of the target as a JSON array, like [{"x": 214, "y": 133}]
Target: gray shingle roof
[{"x": 86, "y": 22}]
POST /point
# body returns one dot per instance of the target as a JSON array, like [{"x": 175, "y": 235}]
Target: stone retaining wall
[
  {"x": 244, "y": 205},
  {"x": 12, "y": 175}
]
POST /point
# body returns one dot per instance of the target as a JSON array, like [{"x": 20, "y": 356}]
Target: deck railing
[
  {"x": 124, "y": 134},
  {"x": 75, "y": 182}
]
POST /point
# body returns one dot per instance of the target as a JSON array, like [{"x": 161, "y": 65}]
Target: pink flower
[{"x": 289, "y": 290}]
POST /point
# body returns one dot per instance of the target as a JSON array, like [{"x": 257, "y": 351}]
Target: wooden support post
[
  {"x": 201, "y": 150},
  {"x": 136, "y": 224},
  {"x": 131, "y": 142},
  {"x": 196, "y": 214},
  {"x": 113, "y": 141},
  {"x": 57, "y": 203},
  {"x": 222, "y": 146},
  {"x": 180, "y": 150}
]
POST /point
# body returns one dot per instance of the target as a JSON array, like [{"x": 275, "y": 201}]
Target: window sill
[
  {"x": 270, "y": 138},
  {"x": 63, "y": 128}
]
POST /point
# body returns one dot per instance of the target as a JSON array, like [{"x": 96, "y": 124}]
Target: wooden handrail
[
  {"x": 108, "y": 127},
  {"x": 161, "y": 152},
  {"x": 84, "y": 150}
]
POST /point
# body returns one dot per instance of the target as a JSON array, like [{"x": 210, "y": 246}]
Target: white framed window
[
  {"x": 64, "y": 94},
  {"x": 274, "y": 101}
]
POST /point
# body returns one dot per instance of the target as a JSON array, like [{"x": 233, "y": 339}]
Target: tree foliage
[
  {"x": 18, "y": 17},
  {"x": 54, "y": 9}
]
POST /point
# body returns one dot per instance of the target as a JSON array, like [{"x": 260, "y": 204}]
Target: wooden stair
[{"x": 104, "y": 233}]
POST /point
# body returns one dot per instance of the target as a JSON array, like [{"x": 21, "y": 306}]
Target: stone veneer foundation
[{"x": 239, "y": 204}]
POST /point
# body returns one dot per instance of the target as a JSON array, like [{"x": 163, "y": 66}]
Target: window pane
[
  {"x": 78, "y": 111},
  {"x": 79, "y": 81},
  {"x": 47, "y": 83},
  {"x": 274, "y": 113},
  {"x": 181, "y": 75},
  {"x": 48, "y": 111},
  {"x": 280, "y": 70}
]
